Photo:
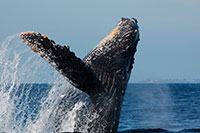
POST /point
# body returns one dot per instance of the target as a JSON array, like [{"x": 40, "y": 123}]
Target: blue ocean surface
[
  {"x": 146, "y": 107},
  {"x": 164, "y": 107}
]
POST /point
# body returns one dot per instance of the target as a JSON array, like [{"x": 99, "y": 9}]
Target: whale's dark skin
[{"x": 103, "y": 74}]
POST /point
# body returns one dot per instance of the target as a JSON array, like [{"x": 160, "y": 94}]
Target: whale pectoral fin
[{"x": 64, "y": 61}]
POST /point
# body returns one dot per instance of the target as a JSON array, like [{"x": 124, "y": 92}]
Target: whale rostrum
[{"x": 103, "y": 74}]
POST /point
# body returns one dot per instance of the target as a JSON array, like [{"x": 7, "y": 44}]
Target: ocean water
[
  {"x": 170, "y": 107},
  {"x": 25, "y": 108}
]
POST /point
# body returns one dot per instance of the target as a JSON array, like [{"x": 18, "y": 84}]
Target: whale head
[{"x": 116, "y": 51}]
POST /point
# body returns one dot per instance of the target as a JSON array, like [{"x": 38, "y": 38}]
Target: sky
[{"x": 169, "y": 30}]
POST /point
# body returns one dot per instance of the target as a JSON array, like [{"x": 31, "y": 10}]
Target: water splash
[{"x": 18, "y": 114}]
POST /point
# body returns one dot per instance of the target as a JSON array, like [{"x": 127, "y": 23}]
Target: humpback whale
[{"x": 103, "y": 74}]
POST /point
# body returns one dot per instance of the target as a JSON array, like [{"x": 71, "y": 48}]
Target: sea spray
[
  {"x": 29, "y": 107},
  {"x": 160, "y": 114},
  {"x": 148, "y": 106},
  {"x": 8, "y": 69}
]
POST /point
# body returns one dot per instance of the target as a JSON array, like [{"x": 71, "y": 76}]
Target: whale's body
[{"x": 103, "y": 74}]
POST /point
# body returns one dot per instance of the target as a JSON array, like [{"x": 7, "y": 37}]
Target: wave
[{"x": 159, "y": 130}]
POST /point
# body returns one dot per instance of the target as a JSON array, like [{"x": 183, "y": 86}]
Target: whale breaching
[{"x": 103, "y": 74}]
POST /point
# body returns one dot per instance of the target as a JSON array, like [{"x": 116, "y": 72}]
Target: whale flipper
[{"x": 64, "y": 61}]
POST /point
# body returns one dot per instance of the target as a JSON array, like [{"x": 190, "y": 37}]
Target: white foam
[{"x": 19, "y": 65}]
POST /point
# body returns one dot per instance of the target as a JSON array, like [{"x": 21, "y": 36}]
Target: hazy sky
[{"x": 170, "y": 30}]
